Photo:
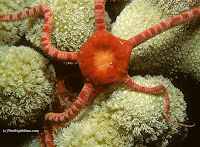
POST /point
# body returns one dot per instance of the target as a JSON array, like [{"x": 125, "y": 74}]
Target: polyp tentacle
[
  {"x": 163, "y": 26},
  {"x": 46, "y": 31},
  {"x": 127, "y": 81}
]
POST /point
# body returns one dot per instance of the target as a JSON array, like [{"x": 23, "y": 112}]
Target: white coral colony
[
  {"x": 27, "y": 85},
  {"x": 174, "y": 51},
  {"x": 120, "y": 116},
  {"x": 11, "y": 32},
  {"x": 73, "y": 23}
]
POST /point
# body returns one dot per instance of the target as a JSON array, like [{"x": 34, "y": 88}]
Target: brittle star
[{"x": 104, "y": 58}]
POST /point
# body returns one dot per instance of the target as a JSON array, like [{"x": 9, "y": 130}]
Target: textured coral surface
[
  {"x": 174, "y": 51},
  {"x": 73, "y": 25},
  {"x": 26, "y": 85},
  {"x": 120, "y": 116},
  {"x": 11, "y": 32}
]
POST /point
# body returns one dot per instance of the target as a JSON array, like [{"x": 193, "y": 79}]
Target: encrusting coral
[
  {"x": 27, "y": 85},
  {"x": 175, "y": 7},
  {"x": 11, "y": 32},
  {"x": 73, "y": 23},
  {"x": 120, "y": 116},
  {"x": 176, "y": 50}
]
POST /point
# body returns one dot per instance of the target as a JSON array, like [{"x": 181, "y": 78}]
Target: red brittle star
[{"x": 104, "y": 58}]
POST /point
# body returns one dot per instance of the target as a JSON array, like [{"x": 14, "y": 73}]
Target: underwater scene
[{"x": 99, "y": 73}]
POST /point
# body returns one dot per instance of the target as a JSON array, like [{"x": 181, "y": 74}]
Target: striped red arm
[
  {"x": 127, "y": 81},
  {"x": 78, "y": 105},
  {"x": 22, "y": 15},
  {"x": 159, "y": 28},
  {"x": 48, "y": 48},
  {"x": 99, "y": 14},
  {"x": 48, "y": 137}
]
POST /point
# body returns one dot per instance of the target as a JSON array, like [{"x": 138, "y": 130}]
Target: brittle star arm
[
  {"x": 62, "y": 92},
  {"x": 79, "y": 104},
  {"x": 163, "y": 26},
  {"x": 128, "y": 81},
  {"x": 48, "y": 137},
  {"x": 48, "y": 48},
  {"x": 99, "y": 15}
]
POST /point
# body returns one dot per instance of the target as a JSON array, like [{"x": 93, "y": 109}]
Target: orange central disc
[{"x": 104, "y": 58}]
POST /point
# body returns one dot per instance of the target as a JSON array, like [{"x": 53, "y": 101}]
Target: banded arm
[
  {"x": 100, "y": 14},
  {"x": 127, "y": 81},
  {"x": 79, "y": 104},
  {"x": 46, "y": 31},
  {"x": 163, "y": 26},
  {"x": 48, "y": 138},
  {"x": 63, "y": 92}
]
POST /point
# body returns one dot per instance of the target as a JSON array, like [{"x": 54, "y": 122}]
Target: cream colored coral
[
  {"x": 33, "y": 141},
  {"x": 174, "y": 51},
  {"x": 11, "y": 32},
  {"x": 175, "y": 7},
  {"x": 74, "y": 23},
  {"x": 27, "y": 85},
  {"x": 120, "y": 116}
]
